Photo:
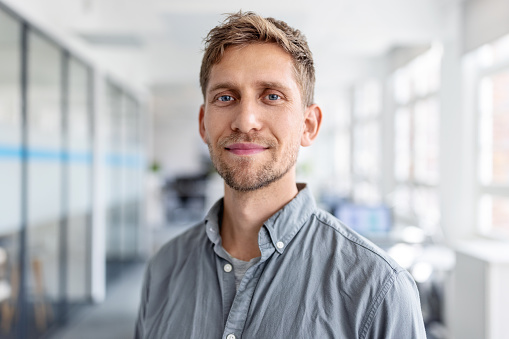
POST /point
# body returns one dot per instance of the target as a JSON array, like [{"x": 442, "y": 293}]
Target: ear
[
  {"x": 312, "y": 123},
  {"x": 202, "y": 123}
]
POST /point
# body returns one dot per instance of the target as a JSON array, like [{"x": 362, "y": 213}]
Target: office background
[{"x": 100, "y": 153}]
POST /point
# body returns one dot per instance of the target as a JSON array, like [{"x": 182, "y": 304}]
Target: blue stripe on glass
[
  {"x": 119, "y": 160},
  {"x": 82, "y": 157},
  {"x": 112, "y": 159},
  {"x": 10, "y": 152},
  {"x": 14, "y": 152},
  {"x": 42, "y": 154}
]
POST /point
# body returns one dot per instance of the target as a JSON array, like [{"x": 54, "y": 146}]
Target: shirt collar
[
  {"x": 278, "y": 231},
  {"x": 212, "y": 221},
  {"x": 287, "y": 222}
]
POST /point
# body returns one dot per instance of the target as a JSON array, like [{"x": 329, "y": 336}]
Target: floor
[{"x": 115, "y": 318}]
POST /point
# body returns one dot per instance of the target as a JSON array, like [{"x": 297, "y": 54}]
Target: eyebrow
[
  {"x": 264, "y": 84},
  {"x": 222, "y": 85},
  {"x": 273, "y": 84}
]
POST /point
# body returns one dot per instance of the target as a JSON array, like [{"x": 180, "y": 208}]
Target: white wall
[{"x": 177, "y": 145}]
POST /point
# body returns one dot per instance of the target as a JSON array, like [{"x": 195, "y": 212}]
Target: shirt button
[
  {"x": 230, "y": 336},
  {"x": 228, "y": 268},
  {"x": 280, "y": 244}
]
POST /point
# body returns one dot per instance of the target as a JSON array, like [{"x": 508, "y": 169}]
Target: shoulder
[
  {"x": 354, "y": 264},
  {"x": 396, "y": 312},
  {"x": 362, "y": 269},
  {"x": 178, "y": 249},
  {"x": 350, "y": 243}
]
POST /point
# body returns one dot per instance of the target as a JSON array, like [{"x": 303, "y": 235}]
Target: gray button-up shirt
[{"x": 316, "y": 279}]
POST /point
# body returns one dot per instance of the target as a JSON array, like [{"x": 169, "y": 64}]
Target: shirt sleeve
[
  {"x": 140, "y": 323},
  {"x": 398, "y": 315}
]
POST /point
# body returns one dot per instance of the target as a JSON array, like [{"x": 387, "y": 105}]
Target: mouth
[{"x": 245, "y": 148}]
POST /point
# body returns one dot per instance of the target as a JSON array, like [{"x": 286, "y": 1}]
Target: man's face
[{"x": 253, "y": 117}]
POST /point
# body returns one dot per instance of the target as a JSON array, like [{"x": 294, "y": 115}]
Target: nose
[{"x": 247, "y": 117}]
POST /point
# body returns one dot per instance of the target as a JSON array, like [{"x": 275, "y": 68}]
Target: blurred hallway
[
  {"x": 101, "y": 161},
  {"x": 115, "y": 317}
]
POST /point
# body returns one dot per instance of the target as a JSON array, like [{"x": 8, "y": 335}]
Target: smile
[{"x": 245, "y": 148}]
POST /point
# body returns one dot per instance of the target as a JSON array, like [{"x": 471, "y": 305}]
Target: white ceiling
[{"x": 159, "y": 41}]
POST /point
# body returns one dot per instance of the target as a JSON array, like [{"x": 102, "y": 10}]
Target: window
[
  {"x": 366, "y": 142},
  {"x": 341, "y": 135},
  {"x": 493, "y": 137},
  {"x": 416, "y": 140}
]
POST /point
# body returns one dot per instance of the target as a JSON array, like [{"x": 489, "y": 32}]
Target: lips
[{"x": 245, "y": 148}]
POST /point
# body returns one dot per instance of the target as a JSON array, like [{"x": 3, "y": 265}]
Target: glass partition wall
[
  {"x": 44, "y": 182},
  {"x": 78, "y": 180},
  {"x": 10, "y": 171},
  {"x": 47, "y": 179},
  {"x": 125, "y": 165}
]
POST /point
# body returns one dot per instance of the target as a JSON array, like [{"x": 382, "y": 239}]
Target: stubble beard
[{"x": 245, "y": 174}]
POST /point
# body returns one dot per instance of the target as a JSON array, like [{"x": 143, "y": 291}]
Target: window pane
[
  {"x": 402, "y": 145},
  {"x": 494, "y": 213},
  {"x": 426, "y": 72},
  {"x": 116, "y": 177},
  {"x": 44, "y": 172},
  {"x": 133, "y": 149},
  {"x": 402, "y": 86},
  {"x": 368, "y": 97},
  {"x": 10, "y": 169},
  {"x": 402, "y": 201},
  {"x": 366, "y": 152},
  {"x": 10, "y": 125},
  {"x": 485, "y": 130},
  {"x": 427, "y": 208},
  {"x": 342, "y": 160},
  {"x": 500, "y": 214},
  {"x": 341, "y": 111},
  {"x": 426, "y": 141},
  {"x": 494, "y": 127},
  {"x": 79, "y": 184},
  {"x": 125, "y": 175}
]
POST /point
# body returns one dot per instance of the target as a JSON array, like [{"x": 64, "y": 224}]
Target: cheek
[
  {"x": 212, "y": 131},
  {"x": 293, "y": 125},
  {"x": 288, "y": 118}
]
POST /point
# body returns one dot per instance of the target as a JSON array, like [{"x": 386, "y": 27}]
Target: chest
[{"x": 275, "y": 299}]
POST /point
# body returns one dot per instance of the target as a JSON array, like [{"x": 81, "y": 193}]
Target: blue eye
[
  {"x": 273, "y": 97},
  {"x": 225, "y": 98}
]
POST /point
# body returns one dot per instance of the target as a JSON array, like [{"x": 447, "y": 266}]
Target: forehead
[{"x": 252, "y": 63}]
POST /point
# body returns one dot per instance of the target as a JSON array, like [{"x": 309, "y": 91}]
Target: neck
[{"x": 245, "y": 212}]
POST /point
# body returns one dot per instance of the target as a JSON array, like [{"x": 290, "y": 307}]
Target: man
[{"x": 266, "y": 262}]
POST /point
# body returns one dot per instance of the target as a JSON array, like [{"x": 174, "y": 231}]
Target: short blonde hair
[{"x": 246, "y": 28}]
